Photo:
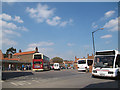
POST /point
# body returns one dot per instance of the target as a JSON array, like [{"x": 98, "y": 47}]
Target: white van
[
  {"x": 56, "y": 66},
  {"x": 83, "y": 64}
]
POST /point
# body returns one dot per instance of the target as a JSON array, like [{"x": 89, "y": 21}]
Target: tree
[
  {"x": 57, "y": 60},
  {"x": 10, "y": 51}
]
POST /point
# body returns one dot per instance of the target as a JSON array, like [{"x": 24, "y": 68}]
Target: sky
[{"x": 62, "y": 29}]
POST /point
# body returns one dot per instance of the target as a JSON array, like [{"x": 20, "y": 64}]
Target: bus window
[
  {"x": 117, "y": 64},
  {"x": 37, "y": 57},
  {"x": 37, "y": 62},
  {"x": 90, "y": 62}
]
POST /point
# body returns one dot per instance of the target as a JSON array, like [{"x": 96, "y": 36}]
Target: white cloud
[
  {"x": 6, "y": 25},
  {"x": 112, "y": 25},
  {"x": 41, "y": 44},
  {"x": 9, "y": 29},
  {"x": 46, "y": 51},
  {"x": 5, "y": 17},
  {"x": 109, "y": 13},
  {"x": 10, "y": 32},
  {"x": 17, "y": 18},
  {"x": 70, "y": 44},
  {"x": 6, "y": 41},
  {"x": 30, "y": 49},
  {"x": 106, "y": 36},
  {"x": 64, "y": 23},
  {"x": 40, "y": 13},
  {"x": 55, "y": 21}
]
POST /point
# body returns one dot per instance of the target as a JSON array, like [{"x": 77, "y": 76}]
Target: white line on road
[
  {"x": 20, "y": 83},
  {"x": 14, "y": 83}
]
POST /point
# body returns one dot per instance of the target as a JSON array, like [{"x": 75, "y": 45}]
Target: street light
[{"x": 93, "y": 39}]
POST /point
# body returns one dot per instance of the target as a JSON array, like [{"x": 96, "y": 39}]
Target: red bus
[{"x": 40, "y": 62}]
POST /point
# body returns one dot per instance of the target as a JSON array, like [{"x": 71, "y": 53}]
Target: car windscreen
[{"x": 82, "y": 62}]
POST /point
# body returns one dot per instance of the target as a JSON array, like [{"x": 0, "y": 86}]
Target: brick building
[
  {"x": 25, "y": 57},
  {"x": 17, "y": 59}
]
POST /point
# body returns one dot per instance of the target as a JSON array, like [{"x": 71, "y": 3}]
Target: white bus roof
[
  {"x": 84, "y": 59},
  {"x": 117, "y": 52}
]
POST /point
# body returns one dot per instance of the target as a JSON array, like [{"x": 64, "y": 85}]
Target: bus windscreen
[{"x": 104, "y": 61}]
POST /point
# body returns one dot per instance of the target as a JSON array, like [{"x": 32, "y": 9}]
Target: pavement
[{"x": 55, "y": 79}]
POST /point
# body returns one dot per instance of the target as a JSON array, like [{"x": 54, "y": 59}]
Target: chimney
[
  {"x": 20, "y": 51},
  {"x": 87, "y": 55},
  {"x": 36, "y": 49},
  {"x": 75, "y": 57}
]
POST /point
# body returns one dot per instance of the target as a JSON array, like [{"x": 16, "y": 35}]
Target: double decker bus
[
  {"x": 40, "y": 62},
  {"x": 106, "y": 63}
]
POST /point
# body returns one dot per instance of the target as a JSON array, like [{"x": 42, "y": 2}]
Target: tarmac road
[{"x": 56, "y": 79}]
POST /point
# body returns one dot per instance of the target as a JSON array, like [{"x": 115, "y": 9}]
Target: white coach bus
[
  {"x": 83, "y": 64},
  {"x": 106, "y": 63}
]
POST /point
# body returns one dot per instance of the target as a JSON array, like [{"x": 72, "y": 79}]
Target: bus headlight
[
  {"x": 110, "y": 72},
  {"x": 94, "y": 71}
]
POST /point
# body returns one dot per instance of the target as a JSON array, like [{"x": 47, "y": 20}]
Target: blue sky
[{"x": 59, "y": 29}]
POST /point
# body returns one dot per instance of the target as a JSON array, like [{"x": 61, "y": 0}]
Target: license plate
[{"x": 102, "y": 74}]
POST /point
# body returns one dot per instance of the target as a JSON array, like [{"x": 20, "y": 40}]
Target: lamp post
[{"x": 93, "y": 39}]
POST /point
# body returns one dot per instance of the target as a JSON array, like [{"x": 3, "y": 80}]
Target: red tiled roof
[
  {"x": 1, "y": 54},
  {"x": 22, "y": 53},
  {"x": 16, "y": 59},
  {"x": 68, "y": 62}
]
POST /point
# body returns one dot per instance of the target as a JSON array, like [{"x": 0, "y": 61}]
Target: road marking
[
  {"x": 14, "y": 83},
  {"x": 20, "y": 83}
]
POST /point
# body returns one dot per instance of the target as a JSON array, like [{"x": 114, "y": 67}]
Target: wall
[{"x": 24, "y": 58}]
